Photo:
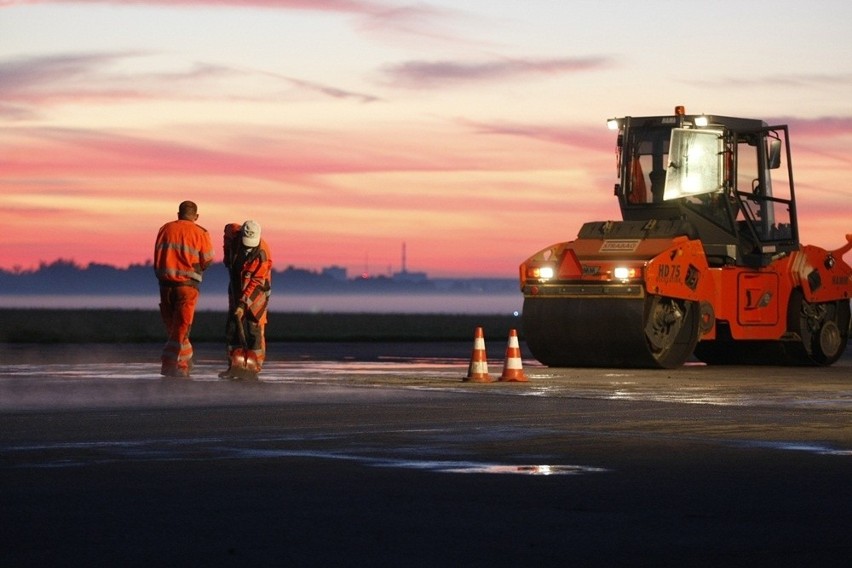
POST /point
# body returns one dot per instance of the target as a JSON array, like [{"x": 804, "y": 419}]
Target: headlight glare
[{"x": 626, "y": 272}]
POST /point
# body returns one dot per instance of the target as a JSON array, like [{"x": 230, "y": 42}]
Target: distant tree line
[{"x": 67, "y": 277}]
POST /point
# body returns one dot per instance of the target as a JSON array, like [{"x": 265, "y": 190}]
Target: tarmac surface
[{"x": 382, "y": 455}]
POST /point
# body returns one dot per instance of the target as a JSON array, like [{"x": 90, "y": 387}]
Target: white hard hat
[{"x": 251, "y": 233}]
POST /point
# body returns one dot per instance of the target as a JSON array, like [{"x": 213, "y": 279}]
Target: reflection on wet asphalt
[
  {"x": 80, "y": 454},
  {"x": 440, "y": 367}
]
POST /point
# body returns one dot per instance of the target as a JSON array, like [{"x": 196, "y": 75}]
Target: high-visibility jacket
[
  {"x": 182, "y": 252},
  {"x": 254, "y": 269}
]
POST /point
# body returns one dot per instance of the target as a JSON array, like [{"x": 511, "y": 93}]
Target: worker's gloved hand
[{"x": 238, "y": 313}]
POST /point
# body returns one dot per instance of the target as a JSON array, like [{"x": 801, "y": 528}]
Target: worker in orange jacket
[
  {"x": 182, "y": 252},
  {"x": 249, "y": 263}
]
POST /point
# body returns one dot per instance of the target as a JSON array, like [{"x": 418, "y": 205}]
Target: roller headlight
[
  {"x": 626, "y": 273},
  {"x": 545, "y": 272},
  {"x": 621, "y": 273}
]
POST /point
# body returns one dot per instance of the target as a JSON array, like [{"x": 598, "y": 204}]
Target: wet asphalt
[{"x": 382, "y": 455}]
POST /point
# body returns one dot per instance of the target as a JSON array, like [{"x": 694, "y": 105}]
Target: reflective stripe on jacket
[{"x": 183, "y": 251}]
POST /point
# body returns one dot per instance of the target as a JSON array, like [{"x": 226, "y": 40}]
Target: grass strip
[{"x": 140, "y": 326}]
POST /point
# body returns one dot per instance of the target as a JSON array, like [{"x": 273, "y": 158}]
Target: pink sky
[{"x": 473, "y": 131}]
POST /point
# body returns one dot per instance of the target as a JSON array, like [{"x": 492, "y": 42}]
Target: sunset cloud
[
  {"x": 326, "y": 90},
  {"x": 30, "y": 81},
  {"x": 780, "y": 80},
  {"x": 432, "y": 74},
  {"x": 44, "y": 79},
  {"x": 825, "y": 126},
  {"x": 314, "y": 5},
  {"x": 52, "y": 79},
  {"x": 22, "y": 73},
  {"x": 376, "y": 17},
  {"x": 412, "y": 18},
  {"x": 568, "y": 136}
]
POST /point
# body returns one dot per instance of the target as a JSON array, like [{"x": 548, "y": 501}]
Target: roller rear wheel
[{"x": 823, "y": 329}]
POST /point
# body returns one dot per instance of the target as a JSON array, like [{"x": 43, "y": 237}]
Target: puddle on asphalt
[
  {"x": 799, "y": 447},
  {"x": 81, "y": 454},
  {"x": 440, "y": 466},
  {"x": 509, "y": 469},
  {"x": 89, "y": 453}
]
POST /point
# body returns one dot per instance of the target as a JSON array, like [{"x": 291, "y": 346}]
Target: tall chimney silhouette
[{"x": 403, "y": 258}]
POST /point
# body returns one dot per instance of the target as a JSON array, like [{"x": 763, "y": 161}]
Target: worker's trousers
[{"x": 177, "y": 308}]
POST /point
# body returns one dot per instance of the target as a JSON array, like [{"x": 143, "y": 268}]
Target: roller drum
[{"x": 648, "y": 332}]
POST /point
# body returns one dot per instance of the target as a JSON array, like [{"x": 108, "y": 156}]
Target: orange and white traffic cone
[
  {"x": 513, "y": 369},
  {"x": 477, "y": 371}
]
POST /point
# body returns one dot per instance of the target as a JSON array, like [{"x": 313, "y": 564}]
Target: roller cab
[{"x": 705, "y": 262}]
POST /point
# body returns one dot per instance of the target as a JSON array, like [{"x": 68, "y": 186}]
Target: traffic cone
[
  {"x": 477, "y": 371},
  {"x": 513, "y": 369}
]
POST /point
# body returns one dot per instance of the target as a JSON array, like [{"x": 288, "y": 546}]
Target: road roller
[{"x": 705, "y": 264}]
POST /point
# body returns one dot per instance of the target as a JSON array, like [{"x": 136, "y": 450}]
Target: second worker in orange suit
[{"x": 249, "y": 263}]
